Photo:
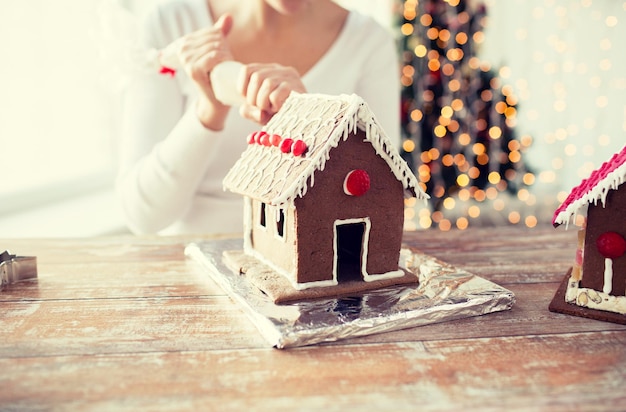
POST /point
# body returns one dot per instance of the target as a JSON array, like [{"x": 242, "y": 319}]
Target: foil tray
[{"x": 444, "y": 293}]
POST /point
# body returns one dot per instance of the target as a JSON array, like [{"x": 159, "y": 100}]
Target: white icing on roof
[
  {"x": 322, "y": 122},
  {"x": 594, "y": 189}
]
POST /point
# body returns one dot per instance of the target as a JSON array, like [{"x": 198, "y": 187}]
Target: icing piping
[
  {"x": 330, "y": 119},
  {"x": 247, "y": 224},
  {"x": 365, "y": 246},
  {"x": 608, "y": 275},
  {"x": 609, "y": 176},
  {"x": 367, "y": 277},
  {"x": 593, "y": 299}
]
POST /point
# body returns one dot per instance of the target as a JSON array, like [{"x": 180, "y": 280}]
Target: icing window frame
[
  {"x": 280, "y": 223},
  {"x": 262, "y": 221}
]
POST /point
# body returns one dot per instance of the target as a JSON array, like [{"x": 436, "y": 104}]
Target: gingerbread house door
[{"x": 351, "y": 239}]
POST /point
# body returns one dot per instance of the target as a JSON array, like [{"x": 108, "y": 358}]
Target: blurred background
[{"x": 506, "y": 105}]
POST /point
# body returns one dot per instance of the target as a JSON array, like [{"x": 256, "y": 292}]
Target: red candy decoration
[
  {"x": 298, "y": 148},
  {"x": 275, "y": 139},
  {"x": 168, "y": 71},
  {"x": 251, "y": 137},
  {"x": 356, "y": 183},
  {"x": 611, "y": 245},
  {"x": 265, "y": 139},
  {"x": 285, "y": 145},
  {"x": 579, "y": 257}
]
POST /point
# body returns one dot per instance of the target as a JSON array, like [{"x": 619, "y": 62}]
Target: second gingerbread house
[{"x": 598, "y": 277}]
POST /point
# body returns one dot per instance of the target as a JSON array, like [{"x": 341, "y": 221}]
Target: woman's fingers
[
  {"x": 224, "y": 24},
  {"x": 267, "y": 86},
  {"x": 255, "y": 114},
  {"x": 280, "y": 93},
  {"x": 201, "y": 50}
]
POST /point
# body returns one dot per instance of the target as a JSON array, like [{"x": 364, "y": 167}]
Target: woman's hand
[
  {"x": 266, "y": 87},
  {"x": 199, "y": 52}
]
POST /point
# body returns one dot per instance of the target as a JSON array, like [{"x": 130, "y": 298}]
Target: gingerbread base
[
  {"x": 278, "y": 288},
  {"x": 559, "y": 305}
]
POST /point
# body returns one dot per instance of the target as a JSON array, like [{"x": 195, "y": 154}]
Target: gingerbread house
[
  {"x": 324, "y": 192},
  {"x": 597, "y": 281}
]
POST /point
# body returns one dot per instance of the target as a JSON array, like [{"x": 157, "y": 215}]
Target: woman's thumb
[{"x": 225, "y": 23}]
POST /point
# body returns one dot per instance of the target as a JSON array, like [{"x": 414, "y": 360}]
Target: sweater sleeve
[{"x": 164, "y": 149}]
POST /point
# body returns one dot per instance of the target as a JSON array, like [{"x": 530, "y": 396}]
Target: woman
[{"x": 179, "y": 141}]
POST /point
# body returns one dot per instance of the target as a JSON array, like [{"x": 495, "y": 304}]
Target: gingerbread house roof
[
  {"x": 297, "y": 142},
  {"x": 593, "y": 189}
]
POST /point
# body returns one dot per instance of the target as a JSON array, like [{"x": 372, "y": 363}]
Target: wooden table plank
[
  {"x": 97, "y": 280},
  {"x": 129, "y": 323},
  {"x": 503, "y": 255},
  {"x": 98, "y": 326},
  {"x": 105, "y": 249},
  {"x": 557, "y": 372}
]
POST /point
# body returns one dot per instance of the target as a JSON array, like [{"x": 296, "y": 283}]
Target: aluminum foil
[{"x": 444, "y": 293}]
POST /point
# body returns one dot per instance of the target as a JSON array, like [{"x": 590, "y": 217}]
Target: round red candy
[
  {"x": 356, "y": 183},
  {"x": 260, "y": 136},
  {"x": 611, "y": 245},
  {"x": 275, "y": 139},
  {"x": 285, "y": 145},
  {"x": 298, "y": 148},
  {"x": 251, "y": 137},
  {"x": 265, "y": 139}
]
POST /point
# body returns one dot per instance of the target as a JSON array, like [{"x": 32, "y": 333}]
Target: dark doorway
[{"x": 349, "y": 250}]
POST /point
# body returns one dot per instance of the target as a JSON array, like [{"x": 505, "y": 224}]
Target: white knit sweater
[{"x": 171, "y": 167}]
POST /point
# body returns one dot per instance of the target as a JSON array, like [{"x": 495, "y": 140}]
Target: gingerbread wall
[
  {"x": 611, "y": 217},
  {"x": 325, "y": 202},
  {"x": 280, "y": 250}
]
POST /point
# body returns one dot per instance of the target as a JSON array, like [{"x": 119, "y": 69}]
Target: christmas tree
[{"x": 458, "y": 120}]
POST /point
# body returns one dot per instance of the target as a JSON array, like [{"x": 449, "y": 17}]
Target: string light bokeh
[{"x": 488, "y": 142}]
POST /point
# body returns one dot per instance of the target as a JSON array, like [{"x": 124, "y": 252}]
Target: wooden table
[{"x": 130, "y": 323}]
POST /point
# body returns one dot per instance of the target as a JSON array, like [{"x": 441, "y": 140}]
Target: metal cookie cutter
[{"x": 16, "y": 268}]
